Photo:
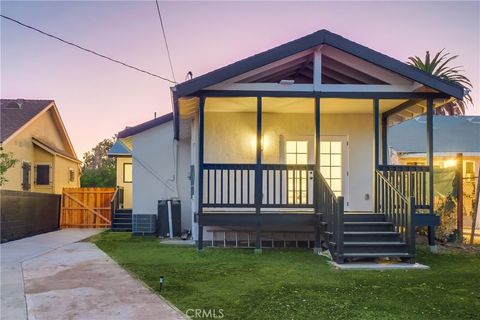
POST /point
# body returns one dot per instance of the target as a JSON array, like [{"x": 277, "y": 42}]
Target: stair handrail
[
  {"x": 398, "y": 208},
  {"x": 116, "y": 200},
  {"x": 332, "y": 209}
]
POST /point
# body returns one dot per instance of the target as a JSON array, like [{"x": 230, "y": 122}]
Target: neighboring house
[
  {"x": 122, "y": 152},
  {"x": 34, "y": 132},
  {"x": 283, "y": 147},
  {"x": 157, "y": 159},
  {"x": 453, "y": 135}
]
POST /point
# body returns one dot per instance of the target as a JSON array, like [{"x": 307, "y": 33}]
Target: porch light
[
  {"x": 253, "y": 142},
  {"x": 449, "y": 163}
]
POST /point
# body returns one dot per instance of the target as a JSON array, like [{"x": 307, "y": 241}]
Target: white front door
[{"x": 334, "y": 164}]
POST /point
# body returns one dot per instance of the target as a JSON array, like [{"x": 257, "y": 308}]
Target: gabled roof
[
  {"x": 15, "y": 113},
  {"x": 119, "y": 149},
  {"x": 130, "y": 131},
  {"x": 310, "y": 41},
  {"x": 52, "y": 149},
  {"x": 451, "y": 134}
]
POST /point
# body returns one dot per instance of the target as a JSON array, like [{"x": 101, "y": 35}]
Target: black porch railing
[
  {"x": 234, "y": 185},
  {"x": 398, "y": 208},
  {"x": 409, "y": 181},
  {"x": 331, "y": 208}
]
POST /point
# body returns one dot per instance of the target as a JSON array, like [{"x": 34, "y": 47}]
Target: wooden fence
[{"x": 86, "y": 207}]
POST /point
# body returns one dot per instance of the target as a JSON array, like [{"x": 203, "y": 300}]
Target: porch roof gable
[{"x": 307, "y": 42}]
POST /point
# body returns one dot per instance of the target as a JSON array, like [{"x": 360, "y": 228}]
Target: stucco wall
[
  {"x": 23, "y": 149},
  {"x": 62, "y": 174},
  {"x": 154, "y": 171},
  {"x": 127, "y": 186},
  {"x": 230, "y": 138}
]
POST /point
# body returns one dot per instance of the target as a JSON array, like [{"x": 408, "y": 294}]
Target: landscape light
[{"x": 161, "y": 282}]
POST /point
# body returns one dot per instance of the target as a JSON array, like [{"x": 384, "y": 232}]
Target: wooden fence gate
[{"x": 86, "y": 207}]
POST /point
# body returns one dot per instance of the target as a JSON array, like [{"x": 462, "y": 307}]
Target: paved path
[{"x": 73, "y": 281}]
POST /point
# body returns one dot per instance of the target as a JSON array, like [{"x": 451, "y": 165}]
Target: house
[
  {"x": 290, "y": 147},
  {"x": 160, "y": 168},
  {"x": 453, "y": 135},
  {"x": 122, "y": 152},
  {"x": 457, "y": 146},
  {"x": 34, "y": 132}
]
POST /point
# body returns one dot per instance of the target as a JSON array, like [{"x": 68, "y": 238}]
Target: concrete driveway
[{"x": 53, "y": 276}]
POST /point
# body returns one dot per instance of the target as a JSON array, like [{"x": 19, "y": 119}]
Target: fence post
[{"x": 340, "y": 229}]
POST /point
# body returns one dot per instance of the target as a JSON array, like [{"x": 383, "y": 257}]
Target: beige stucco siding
[
  {"x": 61, "y": 177},
  {"x": 230, "y": 138},
  {"x": 127, "y": 186},
  {"x": 21, "y": 145}
]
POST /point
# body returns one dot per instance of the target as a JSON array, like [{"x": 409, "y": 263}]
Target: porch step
[
  {"x": 124, "y": 210},
  {"x": 122, "y": 220},
  {"x": 364, "y": 217},
  {"x": 371, "y": 236},
  {"x": 377, "y": 255},
  {"x": 368, "y": 226}
]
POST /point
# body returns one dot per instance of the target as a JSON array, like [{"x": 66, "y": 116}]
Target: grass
[{"x": 296, "y": 284}]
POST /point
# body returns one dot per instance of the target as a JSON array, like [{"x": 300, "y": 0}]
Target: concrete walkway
[{"x": 52, "y": 277}]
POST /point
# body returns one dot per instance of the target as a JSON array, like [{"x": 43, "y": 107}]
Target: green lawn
[{"x": 296, "y": 284}]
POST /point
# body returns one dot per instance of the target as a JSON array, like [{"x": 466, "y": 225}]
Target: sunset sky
[{"x": 97, "y": 98}]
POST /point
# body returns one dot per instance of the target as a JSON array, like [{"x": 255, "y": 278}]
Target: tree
[
  {"x": 440, "y": 66},
  {"x": 7, "y": 161},
  {"x": 98, "y": 170}
]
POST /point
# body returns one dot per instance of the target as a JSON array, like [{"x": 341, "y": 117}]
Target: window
[
  {"x": 42, "y": 175},
  {"x": 296, "y": 152},
  {"x": 26, "y": 168},
  {"x": 331, "y": 164},
  {"x": 469, "y": 174},
  {"x": 71, "y": 175},
  {"x": 127, "y": 172}
]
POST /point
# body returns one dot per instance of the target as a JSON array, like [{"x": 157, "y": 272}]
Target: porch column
[
  {"x": 431, "y": 229},
  {"x": 384, "y": 139},
  {"x": 316, "y": 181},
  {"x": 376, "y": 127},
  {"x": 201, "y": 140},
  {"x": 376, "y": 153},
  {"x": 258, "y": 177}
]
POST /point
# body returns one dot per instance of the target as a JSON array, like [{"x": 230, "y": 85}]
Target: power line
[
  {"x": 165, "y": 39},
  {"x": 87, "y": 50}
]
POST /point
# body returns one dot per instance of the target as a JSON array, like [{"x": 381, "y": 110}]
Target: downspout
[{"x": 176, "y": 134}]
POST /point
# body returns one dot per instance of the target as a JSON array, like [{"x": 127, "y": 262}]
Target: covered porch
[{"x": 287, "y": 160}]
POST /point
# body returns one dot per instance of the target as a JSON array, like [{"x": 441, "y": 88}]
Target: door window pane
[{"x": 331, "y": 164}]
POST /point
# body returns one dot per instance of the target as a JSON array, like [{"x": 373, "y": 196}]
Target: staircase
[
  {"x": 369, "y": 235},
  {"x": 122, "y": 220}
]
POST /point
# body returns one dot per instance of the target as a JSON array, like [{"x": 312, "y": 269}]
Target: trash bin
[{"x": 162, "y": 219}]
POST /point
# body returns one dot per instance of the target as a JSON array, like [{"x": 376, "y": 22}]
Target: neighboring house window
[
  {"x": 296, "y": 152},
  {"x": 469, "y": 170},
  {"x": 26, "y": 168},
  {"x": 71, "y": 175},
  {"x": 42, "y": 174},
  {"x": 127, "y": 172}
]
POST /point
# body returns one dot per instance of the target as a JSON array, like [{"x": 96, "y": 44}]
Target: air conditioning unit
[{"x": 144, "y": 224}]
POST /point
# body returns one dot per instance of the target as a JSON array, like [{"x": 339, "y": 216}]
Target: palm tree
[{"x": 439, "y": 66}]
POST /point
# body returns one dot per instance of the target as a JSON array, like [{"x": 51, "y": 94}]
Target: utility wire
[
  {"x": 88, "y": 50},
  {"x": 165, "y": 39}
]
